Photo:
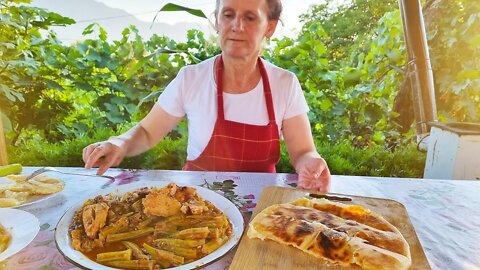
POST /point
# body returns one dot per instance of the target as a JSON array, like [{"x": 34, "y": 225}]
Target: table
[{"x": 445, "y": 213}]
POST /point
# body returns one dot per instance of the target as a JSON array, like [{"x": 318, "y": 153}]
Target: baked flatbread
[{"x": 337, "y": 233}]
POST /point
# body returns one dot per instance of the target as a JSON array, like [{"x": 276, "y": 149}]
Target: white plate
[
  {"x": 64, "y": 245},
  {"x": 36, "y": 199},
  {"x": 32, "y": 199},
  {"x": 22, "y": 226}
]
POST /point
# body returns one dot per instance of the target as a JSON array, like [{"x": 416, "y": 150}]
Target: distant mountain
[{"x": 111, "y": 19}]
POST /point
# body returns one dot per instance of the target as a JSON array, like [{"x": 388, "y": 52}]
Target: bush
[
  {"x": 34, "y": 150},
  {"x": 170, "y": 154},
  {"x": 345, "y": 159}
]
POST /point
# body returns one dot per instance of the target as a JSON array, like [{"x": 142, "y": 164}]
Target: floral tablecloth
[{"x": 445, "y": 213}]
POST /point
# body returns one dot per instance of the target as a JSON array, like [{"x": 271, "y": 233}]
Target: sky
[
  {"x": 112, "y": 15},
  {"x": 145, "y": 9}
]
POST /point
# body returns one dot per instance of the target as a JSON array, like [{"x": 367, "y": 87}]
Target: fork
[{"x": 51, "y": 169}]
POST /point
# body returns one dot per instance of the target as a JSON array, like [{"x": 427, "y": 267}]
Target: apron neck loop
[{"x": 266, "y": 90}]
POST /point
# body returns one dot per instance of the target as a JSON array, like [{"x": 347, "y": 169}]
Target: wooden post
[{"x": 3, "y": 145}]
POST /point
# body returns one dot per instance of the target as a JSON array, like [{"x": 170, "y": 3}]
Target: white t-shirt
[{"x": 194, "y": 93}]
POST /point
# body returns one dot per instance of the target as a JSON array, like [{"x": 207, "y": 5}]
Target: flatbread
[{"x": 336, "y": 233}]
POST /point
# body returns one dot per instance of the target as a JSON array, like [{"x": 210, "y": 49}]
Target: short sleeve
[
  {"x": 296, "y": 103},
  {"x": 171, "y": 100}
]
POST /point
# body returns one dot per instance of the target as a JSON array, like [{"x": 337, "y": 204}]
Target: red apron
[{"x": 238, "y": 147}]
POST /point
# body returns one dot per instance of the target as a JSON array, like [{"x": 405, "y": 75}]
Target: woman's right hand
[
  {"x": 135, "y": 141},
  {"x": 103, "y": 155}
]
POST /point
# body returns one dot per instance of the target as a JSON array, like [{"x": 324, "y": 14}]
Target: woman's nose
[{"x": 237, "y": 24}]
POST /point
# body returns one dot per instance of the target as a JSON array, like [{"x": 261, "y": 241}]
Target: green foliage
[
  {"x": 352, "y": 34},
  {"x": 306, "y": 57},
  {"x": 89, "y": 84},
  {"x": 34, "y": 150},
  {"x": 352, "y": 102},
  {"x": 170, "y": 154},
  {"x": 345, "y": 159},
  {"x": 454, "y": 42},
  {"x": 348, "y": 25},
  {"x": 174, "y": 7},
  {"x": 21, "y": 45},
  {"x": 370, "y": 102}
]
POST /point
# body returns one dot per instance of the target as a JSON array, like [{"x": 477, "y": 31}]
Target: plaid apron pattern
[{"x": 239, "y": 147}]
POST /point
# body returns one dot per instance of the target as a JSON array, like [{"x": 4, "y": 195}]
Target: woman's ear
[
  {"x": 215, "y": 26},
  {"x": 272, "y": 25}
]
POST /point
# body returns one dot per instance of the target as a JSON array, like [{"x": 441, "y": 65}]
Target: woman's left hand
[{"x": 314, "y": 174}]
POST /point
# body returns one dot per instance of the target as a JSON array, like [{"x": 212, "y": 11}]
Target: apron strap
[
  {"x": 266, "y": 90},
  {"x": 219, "y": 71}
]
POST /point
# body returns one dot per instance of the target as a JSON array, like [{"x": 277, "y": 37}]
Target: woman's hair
[{"x": 274, "y": 7}]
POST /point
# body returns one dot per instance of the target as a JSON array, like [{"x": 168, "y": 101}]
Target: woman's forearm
[
  {"x": 146, "y": 134},
  {"x": 135, "y": 141}
]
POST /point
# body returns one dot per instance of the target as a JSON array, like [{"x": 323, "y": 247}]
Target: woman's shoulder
[
  {"x": 201, "y": 68},
  {"x": 278, "y": 73},
  {"x": 196, "y": 78}
]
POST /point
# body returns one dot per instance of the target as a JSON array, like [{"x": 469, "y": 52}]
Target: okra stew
[{"x": 149, "y": 228}]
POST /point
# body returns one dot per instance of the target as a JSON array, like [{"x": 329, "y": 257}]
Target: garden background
[{"x": 350, "y": 58}]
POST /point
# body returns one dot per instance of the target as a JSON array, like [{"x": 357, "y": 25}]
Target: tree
[
  {"x": 349, "y": 26},
  {"x": 21, "y": 44},
  {"x": 454, "y": 44}
]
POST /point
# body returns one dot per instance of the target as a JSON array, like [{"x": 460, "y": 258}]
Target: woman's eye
[{"x": 227, "y": 15}]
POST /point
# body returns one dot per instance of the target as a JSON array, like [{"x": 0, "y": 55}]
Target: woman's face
[{"x": 242, "y": 26}]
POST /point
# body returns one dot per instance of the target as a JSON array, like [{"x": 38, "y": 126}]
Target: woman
[{"x": 236, "y": 105}]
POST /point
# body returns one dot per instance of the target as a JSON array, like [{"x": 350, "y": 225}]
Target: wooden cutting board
[{"x": 257, "y": 254}]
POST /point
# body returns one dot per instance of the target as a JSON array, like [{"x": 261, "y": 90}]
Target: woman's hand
[
  {"x": 135, "y": 141},
  {"x": 103, "y": 155},
  {"x": 314, "y": 174}
]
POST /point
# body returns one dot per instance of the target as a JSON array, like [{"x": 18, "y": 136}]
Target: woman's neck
[{"x": 240, "y": 75}]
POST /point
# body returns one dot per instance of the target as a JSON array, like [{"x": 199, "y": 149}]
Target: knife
[{"x": 330, "y": 197}]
